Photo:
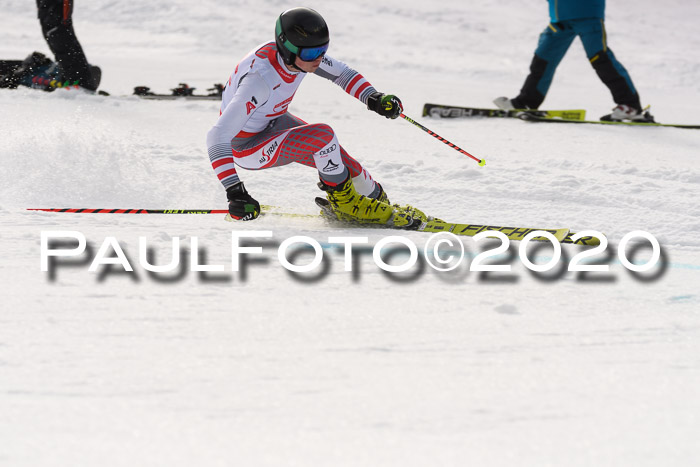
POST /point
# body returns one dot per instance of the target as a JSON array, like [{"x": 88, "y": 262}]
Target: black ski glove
[
  {"x": 241, "y": 205},
  {"x": 387, "y": 105}
]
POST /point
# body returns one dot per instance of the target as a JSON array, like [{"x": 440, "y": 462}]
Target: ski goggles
[{"x": 309, "y": 54}]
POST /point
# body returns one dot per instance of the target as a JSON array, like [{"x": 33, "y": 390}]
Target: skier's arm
[
  {"x": 350, "y": 80},
  {"x": 252, "y": 92},
  {"x": 357, "y": 86}
]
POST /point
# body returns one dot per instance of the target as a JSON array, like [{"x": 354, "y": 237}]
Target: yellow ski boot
[
  {"x": 348, "y": 205},
  {"x": 344, "y": 203}
]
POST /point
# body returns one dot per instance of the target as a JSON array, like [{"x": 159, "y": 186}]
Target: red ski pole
[{"x": 481, "y": 162}]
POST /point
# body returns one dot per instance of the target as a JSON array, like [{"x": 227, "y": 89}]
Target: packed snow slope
[{"x": 361, "y": 367}]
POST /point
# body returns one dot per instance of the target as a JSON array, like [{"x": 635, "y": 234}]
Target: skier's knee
[
  {"x": 538, "y": 65},
  {"x": 600, "y": 60},
  {"x": 322, "y": 127},
  {"x": 61, "y": 37}
]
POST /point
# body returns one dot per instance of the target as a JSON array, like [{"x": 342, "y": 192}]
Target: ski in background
[
  {"x": 451, "y": 111},
  {"x": 182, "y": 91},
  {"x": 549, "y": 116},
  {"x": 533, "y": 117}
]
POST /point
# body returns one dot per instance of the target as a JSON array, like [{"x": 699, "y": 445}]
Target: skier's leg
[
  {"x": 362, "y": 179},
  {"x": 56, "y": 21},
  {"x": 349, "y": 187},
  {"x": 321, "y": 139},
  {"x": 553, "y": 43},
  {"x": 608, "y": 68},
  {"x": 317, "y": 145}
]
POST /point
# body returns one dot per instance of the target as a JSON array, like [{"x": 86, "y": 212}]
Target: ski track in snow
[{"x": 351, "y": 368}]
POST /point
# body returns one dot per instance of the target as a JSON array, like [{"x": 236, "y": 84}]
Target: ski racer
[
  {"x": 256, "y": 131},
  {"x": 585, "y": 19}
]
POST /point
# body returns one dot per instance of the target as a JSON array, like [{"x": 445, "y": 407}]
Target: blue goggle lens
[{"x": 309, "y": 54}]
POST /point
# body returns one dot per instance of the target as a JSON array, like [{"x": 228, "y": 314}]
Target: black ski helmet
[{"x": 299, "y": 28}]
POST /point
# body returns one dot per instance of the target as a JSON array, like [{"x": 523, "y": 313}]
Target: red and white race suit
[{"x": 255, "y": 130}]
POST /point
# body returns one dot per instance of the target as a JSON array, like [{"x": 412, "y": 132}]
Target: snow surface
[{"x": 351, "y": 368}]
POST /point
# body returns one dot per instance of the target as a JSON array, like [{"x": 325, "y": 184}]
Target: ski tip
[{"x": 482, "y": 162}]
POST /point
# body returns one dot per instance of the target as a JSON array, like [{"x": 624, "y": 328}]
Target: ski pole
[
  {"x": 266, "y": 210},
  {"x": 481, "y": 162},
  {"x": 130, "y": 211}
]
